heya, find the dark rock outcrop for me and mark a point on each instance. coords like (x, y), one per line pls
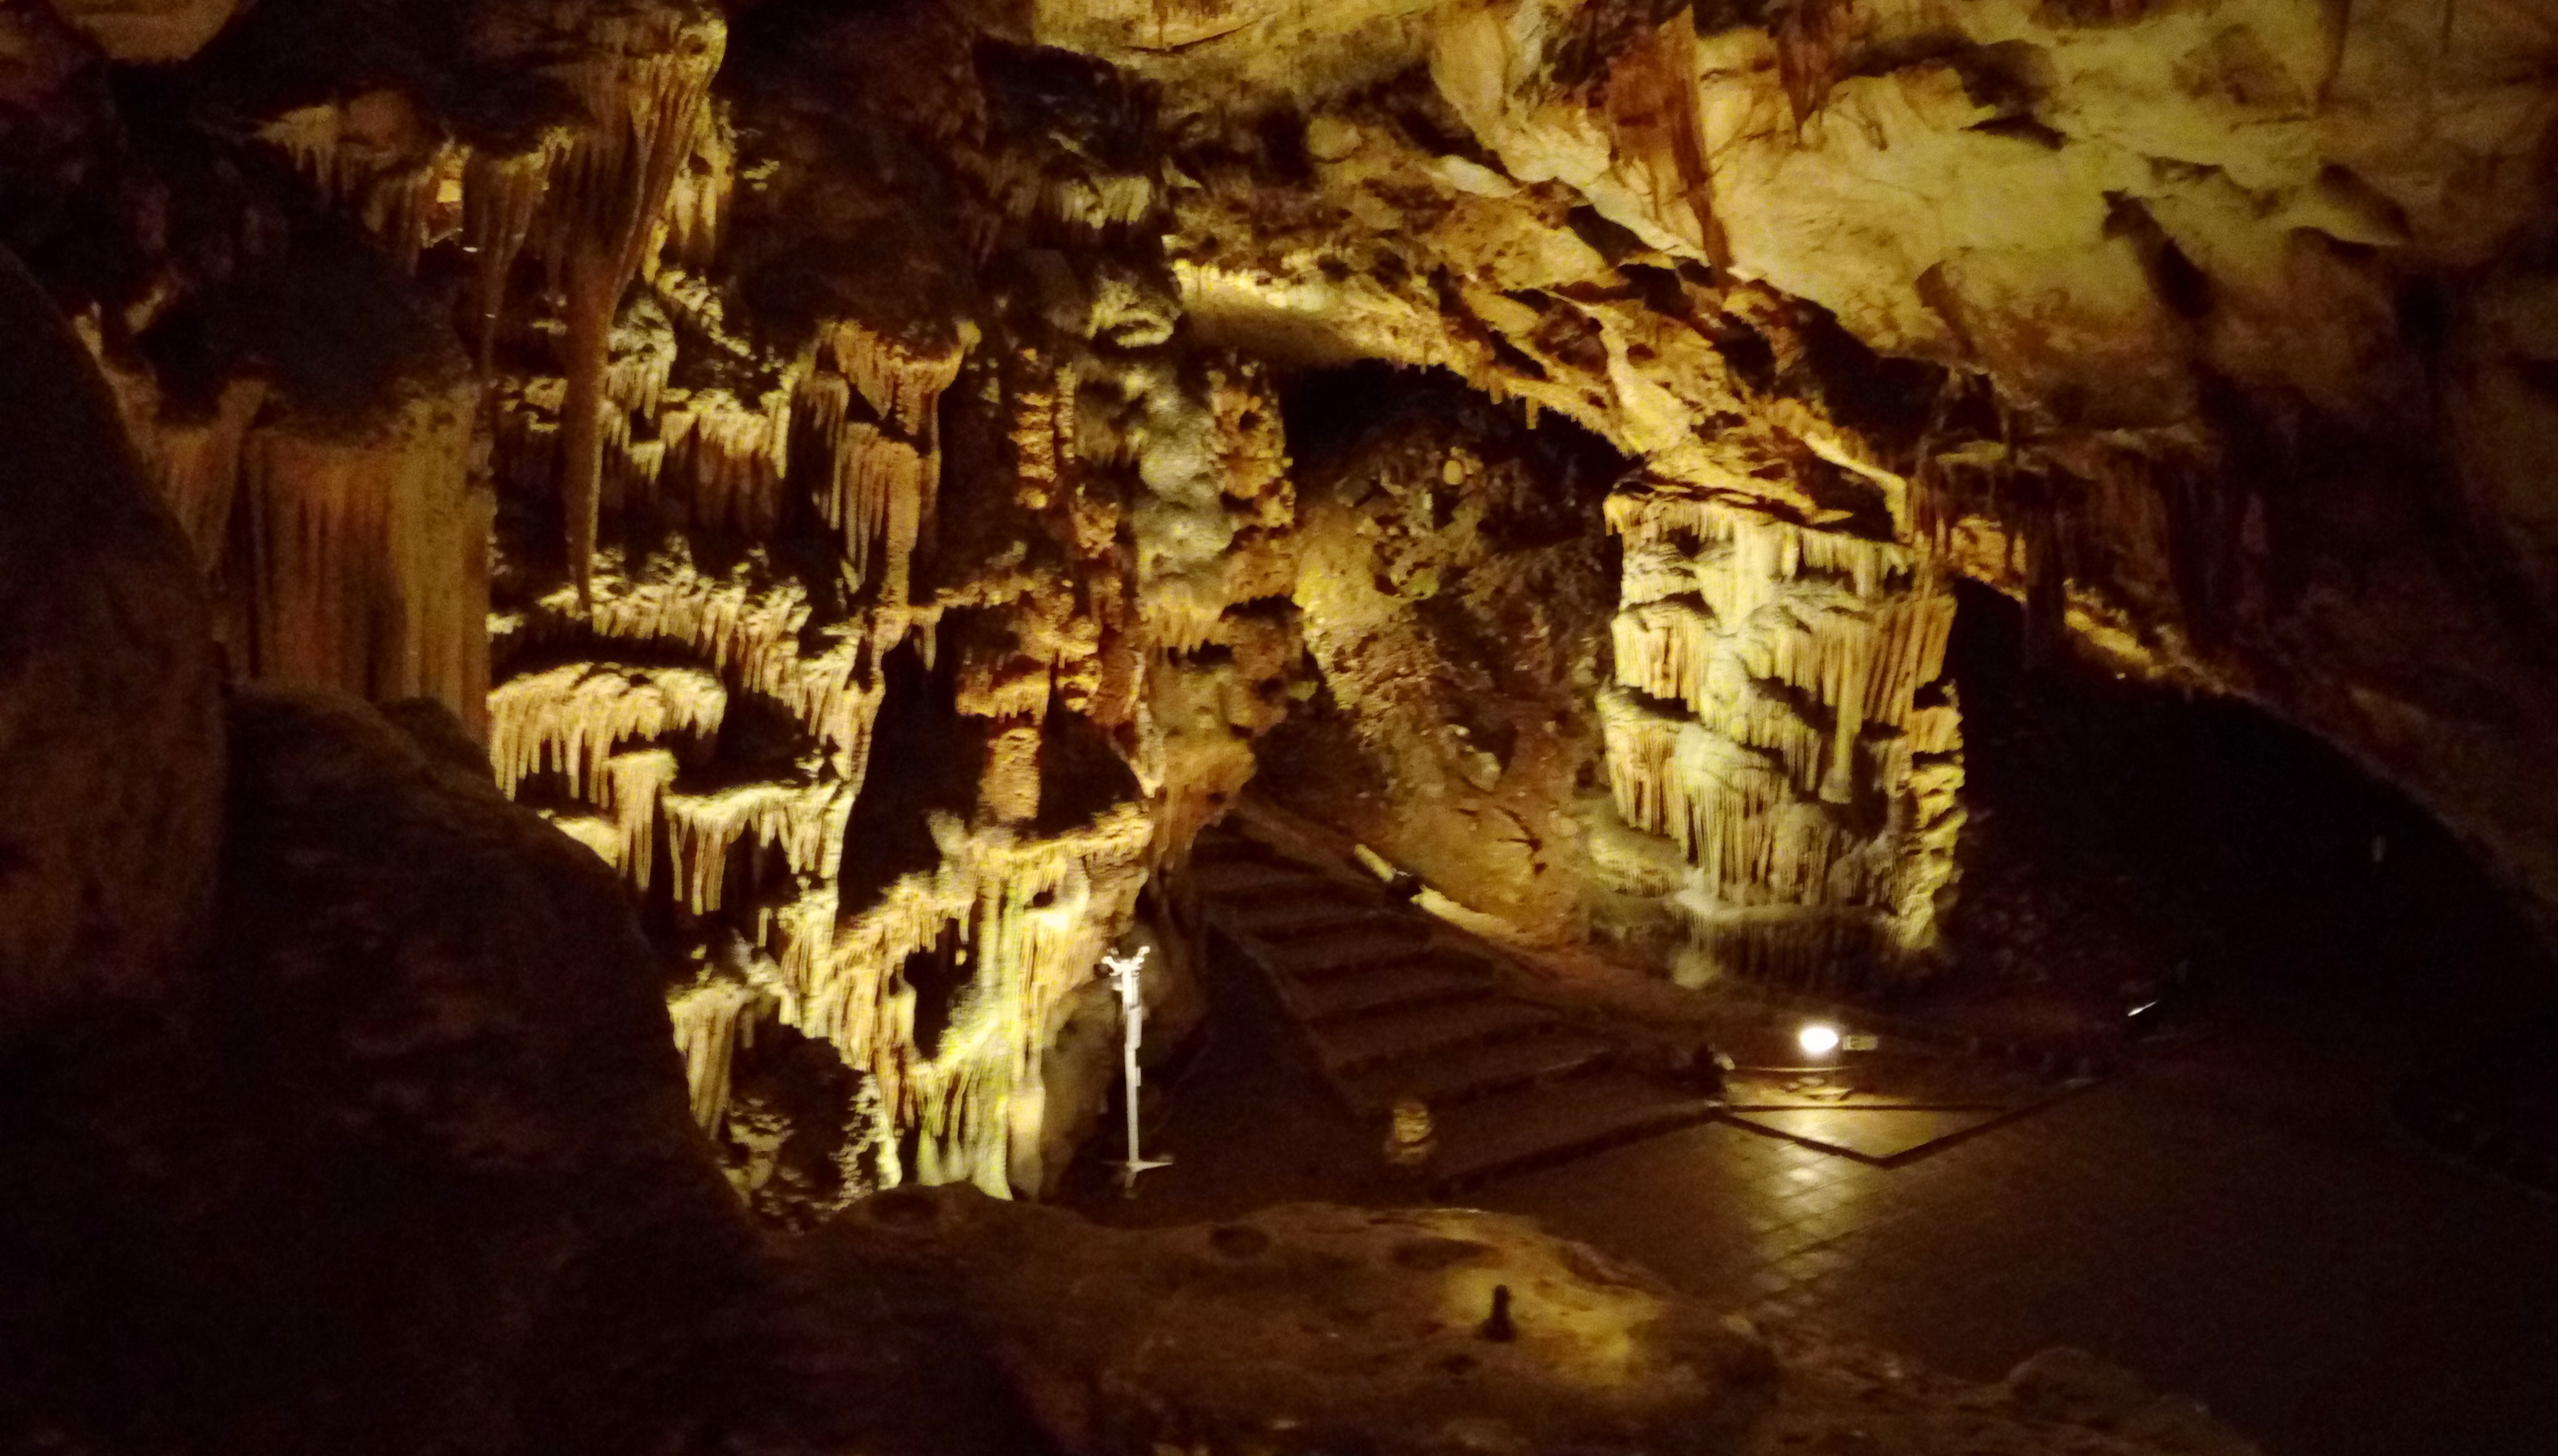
(110, 739)
(420, 1178)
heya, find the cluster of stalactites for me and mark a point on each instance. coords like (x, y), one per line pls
(856, 418)
(748, 626)
(352, 559)
(642, 170)
(873, 405)
(570, 719)
(1781, 717)
(611, 734)
(1016, 919)
(1009, 926)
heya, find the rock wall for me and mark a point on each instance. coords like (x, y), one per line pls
(1454, 584)
(111, 735)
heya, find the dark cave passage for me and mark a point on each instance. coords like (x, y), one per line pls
(2125, 839)
(2268, 922)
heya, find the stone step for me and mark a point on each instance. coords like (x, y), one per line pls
(1323, 953)
(1353, 1044)
(1533, 1127)
(1387, 988)
(1242, 879)
(1219, 846)
(1445, 1076)
(1297, 911)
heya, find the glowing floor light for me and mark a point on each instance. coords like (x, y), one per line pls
(1818, 1039)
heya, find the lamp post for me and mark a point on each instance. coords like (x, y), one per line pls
(1124, 977)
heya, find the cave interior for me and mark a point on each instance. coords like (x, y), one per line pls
(1819, 725)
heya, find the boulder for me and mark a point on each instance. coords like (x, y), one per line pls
(1318, 1328)
(420, 1175)
(110, 734)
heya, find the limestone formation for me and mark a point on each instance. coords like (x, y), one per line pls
(839, 459)
(1454, 593)
(1781, 716)
(842, 496)
(424, 1179)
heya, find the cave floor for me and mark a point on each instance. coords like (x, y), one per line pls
(2227, 1216)
(2234, 1212)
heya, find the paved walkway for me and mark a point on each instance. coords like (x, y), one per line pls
(2234, 1218)
(2330, 1299)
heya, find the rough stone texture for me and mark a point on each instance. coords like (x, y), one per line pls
(110, 741)
(1311, 1328)
(1308, 1328)
(423, 1179)
(1455, 587)
(399, 1189)
(149, 32)
(905, 374)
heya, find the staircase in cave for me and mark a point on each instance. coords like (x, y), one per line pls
(1396, 1008)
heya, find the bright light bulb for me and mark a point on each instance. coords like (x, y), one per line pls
(1817, 1040)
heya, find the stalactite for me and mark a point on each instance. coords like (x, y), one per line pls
(368, 556)
(646, 91)
(704, 829)
(730, 457)
(1032, 919)
(499, 197)
(199, 465)
(1659, 136)
(629, 787)
(1777, 675)
(572, 718)
(1813, 40)
(708, 1017)
(748, 626)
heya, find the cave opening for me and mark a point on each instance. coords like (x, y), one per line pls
(2129, 842)
(2254, 917)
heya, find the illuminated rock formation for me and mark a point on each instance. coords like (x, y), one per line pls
(1454, 590)
(698, 398)
(1782, 715)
